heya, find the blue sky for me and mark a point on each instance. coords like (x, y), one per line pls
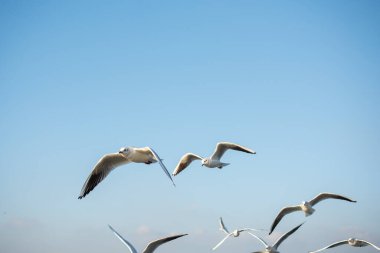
(297, 81)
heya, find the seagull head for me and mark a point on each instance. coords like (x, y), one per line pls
(124, 150)
(204, 161)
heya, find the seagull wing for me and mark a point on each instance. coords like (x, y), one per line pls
(152, 246)
(259, 238)
(283, 237)
(155, 155)
(282, 213)
(323, 196)
(222, 241)
(184, 162)
(104, 166)
(250, 229)
(365, 243)
(331, 246)
(222, 147)
(222, 226)
(128, 244)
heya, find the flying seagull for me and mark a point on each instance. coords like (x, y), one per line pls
(273, 249)
(152, 246)
(306, 207)
(214, 160)
(110, 161)
(234, 233)
(352, 241)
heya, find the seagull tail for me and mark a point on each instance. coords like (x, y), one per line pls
(223, 165)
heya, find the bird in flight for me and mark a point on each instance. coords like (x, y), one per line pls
(352, 242)
(111, 161)
(273, 249)
(234, 233)
(152, 246)
(214, 160)
(306, 207)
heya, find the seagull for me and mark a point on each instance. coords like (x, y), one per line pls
(306, 207)
(273, 249)
(152, 246)
(234, 233)
(110, 161)
(214, 160)
(352, 241)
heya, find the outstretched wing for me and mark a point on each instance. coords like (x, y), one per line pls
(365, 243)
(323, 196)
(222, 241)
(250, 229)
(128, 244)
(104, 166)
(184, 162)
(222, 226)
(154, 245)
(161, 164)
(283, 237)
(331, 246)
(260, 240)
(222, 147)
(282, 213)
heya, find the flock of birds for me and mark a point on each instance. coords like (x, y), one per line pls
(148, 156)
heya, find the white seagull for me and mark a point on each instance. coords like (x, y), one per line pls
(234, 233)
(214, 160)
(110, 161)
(273, 249)
(352, 241)
(152, 246)
(306, 207)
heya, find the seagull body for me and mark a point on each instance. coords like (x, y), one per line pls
(234, 233)
(138, 155)
(273, 249)
(214, 160)
(152, 246)
(111, 161)
(306, 207)
(352, 242)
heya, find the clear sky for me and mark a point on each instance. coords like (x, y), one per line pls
(297, 81)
